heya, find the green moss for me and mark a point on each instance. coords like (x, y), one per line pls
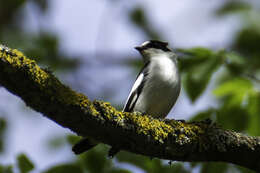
(147, 125)
(143, 123)
(48, 84)
(51, 87)
(109, 112)
(154, 127)
(17, 60)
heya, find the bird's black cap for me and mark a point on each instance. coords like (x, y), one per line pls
(153, 44)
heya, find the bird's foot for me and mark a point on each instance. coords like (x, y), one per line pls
(169, 121)
(181, 120)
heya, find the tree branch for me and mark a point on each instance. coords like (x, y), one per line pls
(173, 140)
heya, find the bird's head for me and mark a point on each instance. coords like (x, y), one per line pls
(153, 48)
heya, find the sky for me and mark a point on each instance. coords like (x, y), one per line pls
(90, 27)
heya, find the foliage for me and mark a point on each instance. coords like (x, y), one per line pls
(64, 168)
(150, 165)
(6, 169)
(42, 44)
(97, 161)
(198, 66)
(2, 133)
(233, 7)
(24, 164)
(139, 18)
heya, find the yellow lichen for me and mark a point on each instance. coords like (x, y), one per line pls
(51, 87)
(17, 60)
(153, 127)
(17, 53)
(108, 111)
(145, 125)
(46, 82)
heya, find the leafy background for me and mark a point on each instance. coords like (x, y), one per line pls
(227, 74)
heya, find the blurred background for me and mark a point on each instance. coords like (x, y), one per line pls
(89, 47)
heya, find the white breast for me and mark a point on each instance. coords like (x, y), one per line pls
(161, 88)
(164, 68)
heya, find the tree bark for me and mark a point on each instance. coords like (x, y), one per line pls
(133, 132)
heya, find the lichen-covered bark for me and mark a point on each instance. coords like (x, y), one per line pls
(173, 140)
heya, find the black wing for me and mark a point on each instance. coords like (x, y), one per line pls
(136, 89)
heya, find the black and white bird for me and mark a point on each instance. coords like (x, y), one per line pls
(157, 86)
(155, 90)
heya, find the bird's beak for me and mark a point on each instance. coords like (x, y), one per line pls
(138, 48)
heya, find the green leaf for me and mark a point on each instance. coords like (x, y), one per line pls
(73, 139)
(247, 41)
(234, 93)
(243, 169)
(119, 171)
(65, 168)
(192, 57)
(199, 71)
(6, 169)
(24, 164)
(96, 160)
(254, 113)
(235, 63)
(56, 142)
(136, 160)
(2, 132)
(233, 7)
(149, 165)
(234, 118)
(235, 90)
(7, 8)
(177, 167)
(214, 167)
(200, 53)
(203, 115)
(138, 17)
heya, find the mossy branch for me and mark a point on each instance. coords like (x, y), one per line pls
(172, 140)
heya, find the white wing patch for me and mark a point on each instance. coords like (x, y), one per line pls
(131, 99)
(145, 43)
(137, 82)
